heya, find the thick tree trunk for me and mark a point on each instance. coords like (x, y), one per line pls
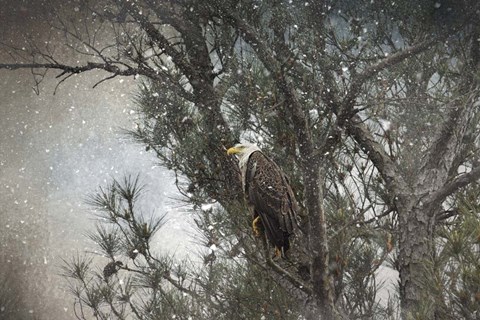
(318, 242)
(416, 225)
(218, 135)
(416, 210)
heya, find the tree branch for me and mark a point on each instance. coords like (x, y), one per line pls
(251, 36)
(443, 152)
(66, 69)
(374, 69)
(357, 129)
(457, 183)
(155, 35)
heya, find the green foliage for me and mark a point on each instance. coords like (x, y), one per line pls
(151, 284)
(297, 79)
(457, 266)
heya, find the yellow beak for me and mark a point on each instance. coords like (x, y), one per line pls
(232, 150)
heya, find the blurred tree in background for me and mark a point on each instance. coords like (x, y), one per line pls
(12, 306)
(370, 107)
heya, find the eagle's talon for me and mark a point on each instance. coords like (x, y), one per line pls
(256, 229)
(278, 253)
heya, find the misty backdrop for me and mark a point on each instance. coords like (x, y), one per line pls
(55, 149)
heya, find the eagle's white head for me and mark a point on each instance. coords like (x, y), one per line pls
(243, 151)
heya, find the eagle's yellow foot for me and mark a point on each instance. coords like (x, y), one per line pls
(256, 228)
(278, 253)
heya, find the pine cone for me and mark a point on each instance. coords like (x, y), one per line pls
(111, 268)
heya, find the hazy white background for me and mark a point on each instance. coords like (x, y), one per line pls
(54, 151)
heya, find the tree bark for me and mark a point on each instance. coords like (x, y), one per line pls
(417, 209)
(415, 250)
(317, 240)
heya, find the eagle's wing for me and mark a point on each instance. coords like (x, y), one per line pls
(269, 193)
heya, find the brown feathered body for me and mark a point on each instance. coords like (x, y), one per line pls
(269, 195)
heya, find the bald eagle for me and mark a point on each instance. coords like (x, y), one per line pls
(269, 196)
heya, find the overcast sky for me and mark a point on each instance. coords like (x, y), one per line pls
(54, 150)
